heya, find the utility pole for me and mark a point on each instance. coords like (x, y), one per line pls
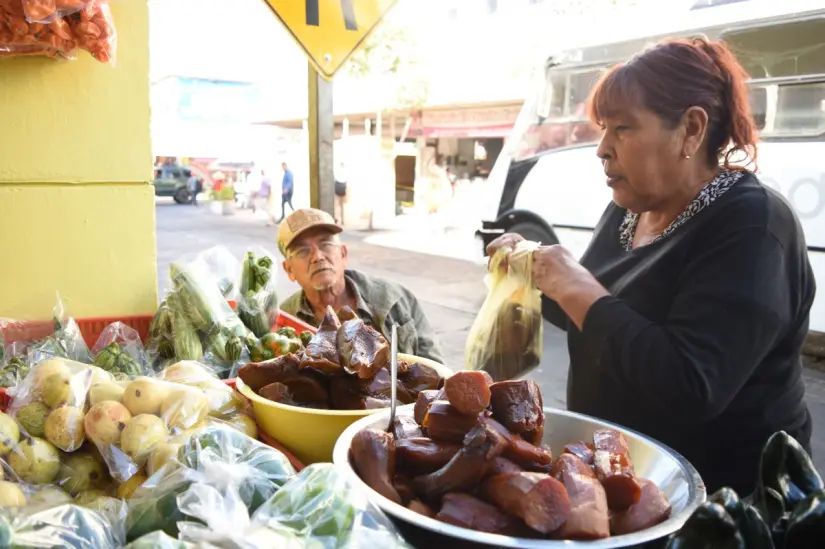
(321, 139)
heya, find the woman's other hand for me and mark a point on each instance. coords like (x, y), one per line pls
(559, 276)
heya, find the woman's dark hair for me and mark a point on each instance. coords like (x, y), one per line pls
(677, 74)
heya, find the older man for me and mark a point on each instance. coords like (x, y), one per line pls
(317, 260)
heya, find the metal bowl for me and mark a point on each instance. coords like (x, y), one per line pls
(672, 473)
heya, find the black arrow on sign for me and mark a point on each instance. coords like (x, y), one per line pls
(314, 16)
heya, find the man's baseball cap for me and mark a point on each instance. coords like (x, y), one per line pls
(301, 221)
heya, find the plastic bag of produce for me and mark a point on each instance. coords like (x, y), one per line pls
(132, 423)
(217, 456)
(14, 363)
(322, 508)
(119, 351)
(46, 27)
(159, 540)
(66, 526)
(65, 342)
(506, 337)
(257, 296)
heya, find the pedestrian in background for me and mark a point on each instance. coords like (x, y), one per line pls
(194, 187)
(287, 188)
(264, 197)
(340, 192)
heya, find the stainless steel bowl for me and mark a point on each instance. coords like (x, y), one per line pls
(654, 461)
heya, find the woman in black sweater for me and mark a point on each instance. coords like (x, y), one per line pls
(687, 313)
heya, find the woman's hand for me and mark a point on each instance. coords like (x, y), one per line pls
(507, 240)
(559, 276)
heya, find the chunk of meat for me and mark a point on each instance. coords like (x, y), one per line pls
(611, 462)
(503, 466)
(522, 453)
(363, 350)
(419, 377)
(589, 517)
(468, 391)
(345, 393)
(380, 386)
(405, 427)
(371, 403)
(297, 391)
(373, 457)
(322, 352)
(651, 509)
(421, 455)
(467, 511)
(403, 485)
(346, 313)
(582, 450)
(466, 469)
(257, 375)
(278, 392)
(421, 508)
(518, 406)
(422, 404)
(444, 423)
(538, 499)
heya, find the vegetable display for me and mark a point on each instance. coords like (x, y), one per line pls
(344, 366)
(257, 301)
(474, 459)
(787, 510)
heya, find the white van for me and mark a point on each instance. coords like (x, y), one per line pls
(548, 185)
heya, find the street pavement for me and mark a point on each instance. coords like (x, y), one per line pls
(444, 271)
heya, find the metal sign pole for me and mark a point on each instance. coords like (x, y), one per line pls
(321, 139)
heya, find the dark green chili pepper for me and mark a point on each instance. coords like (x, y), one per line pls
(752, 527)
(788, 469)
(806, 524)
(709, 527)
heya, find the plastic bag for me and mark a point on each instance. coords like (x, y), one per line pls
(159, 540)
(14, 364)
(66, 526)
(217, 456)
(37, 27)
(119, 351)
(506, 337)
(257, 296)
(322, 507)
(66, 341)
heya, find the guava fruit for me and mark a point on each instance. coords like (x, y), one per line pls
(244, 424)
(160, 456)
(47, 368)
(11, 495)
(80, 472)
(125, 490)
(144, 396)
(49, 497)
(183, 407)
(187, 372)
(106, 390)
(56, 389)
(105, 422)
(9, 434)
(87, 496)
(32, 418)
(64, 428)
(35, 461)
(141, 433)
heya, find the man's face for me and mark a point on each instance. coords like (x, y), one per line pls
(316, 260)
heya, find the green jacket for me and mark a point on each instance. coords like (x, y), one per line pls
(381, 304)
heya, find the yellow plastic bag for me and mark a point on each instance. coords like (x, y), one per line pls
(506, 338)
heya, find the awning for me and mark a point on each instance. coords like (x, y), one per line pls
(472, 132)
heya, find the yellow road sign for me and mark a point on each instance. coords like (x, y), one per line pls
(329, 31)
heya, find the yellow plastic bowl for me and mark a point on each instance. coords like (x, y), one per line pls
(309, 433)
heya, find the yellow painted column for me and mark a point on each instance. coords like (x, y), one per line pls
(77, 210)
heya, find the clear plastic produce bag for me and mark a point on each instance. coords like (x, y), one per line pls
(119, 351)
(506, 337)
(159, 540)
(65, 342)
(66, 526)
(257, 295)
(217, 456)
(325, 511)
(14, 363)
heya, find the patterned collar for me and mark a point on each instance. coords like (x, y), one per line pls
(707, 196)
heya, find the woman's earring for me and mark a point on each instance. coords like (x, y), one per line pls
(687, 157)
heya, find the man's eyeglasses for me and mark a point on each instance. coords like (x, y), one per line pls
(305, 251)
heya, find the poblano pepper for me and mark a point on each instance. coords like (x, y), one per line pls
(709, 527)
(806, 524)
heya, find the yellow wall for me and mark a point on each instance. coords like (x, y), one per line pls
(76, 201)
